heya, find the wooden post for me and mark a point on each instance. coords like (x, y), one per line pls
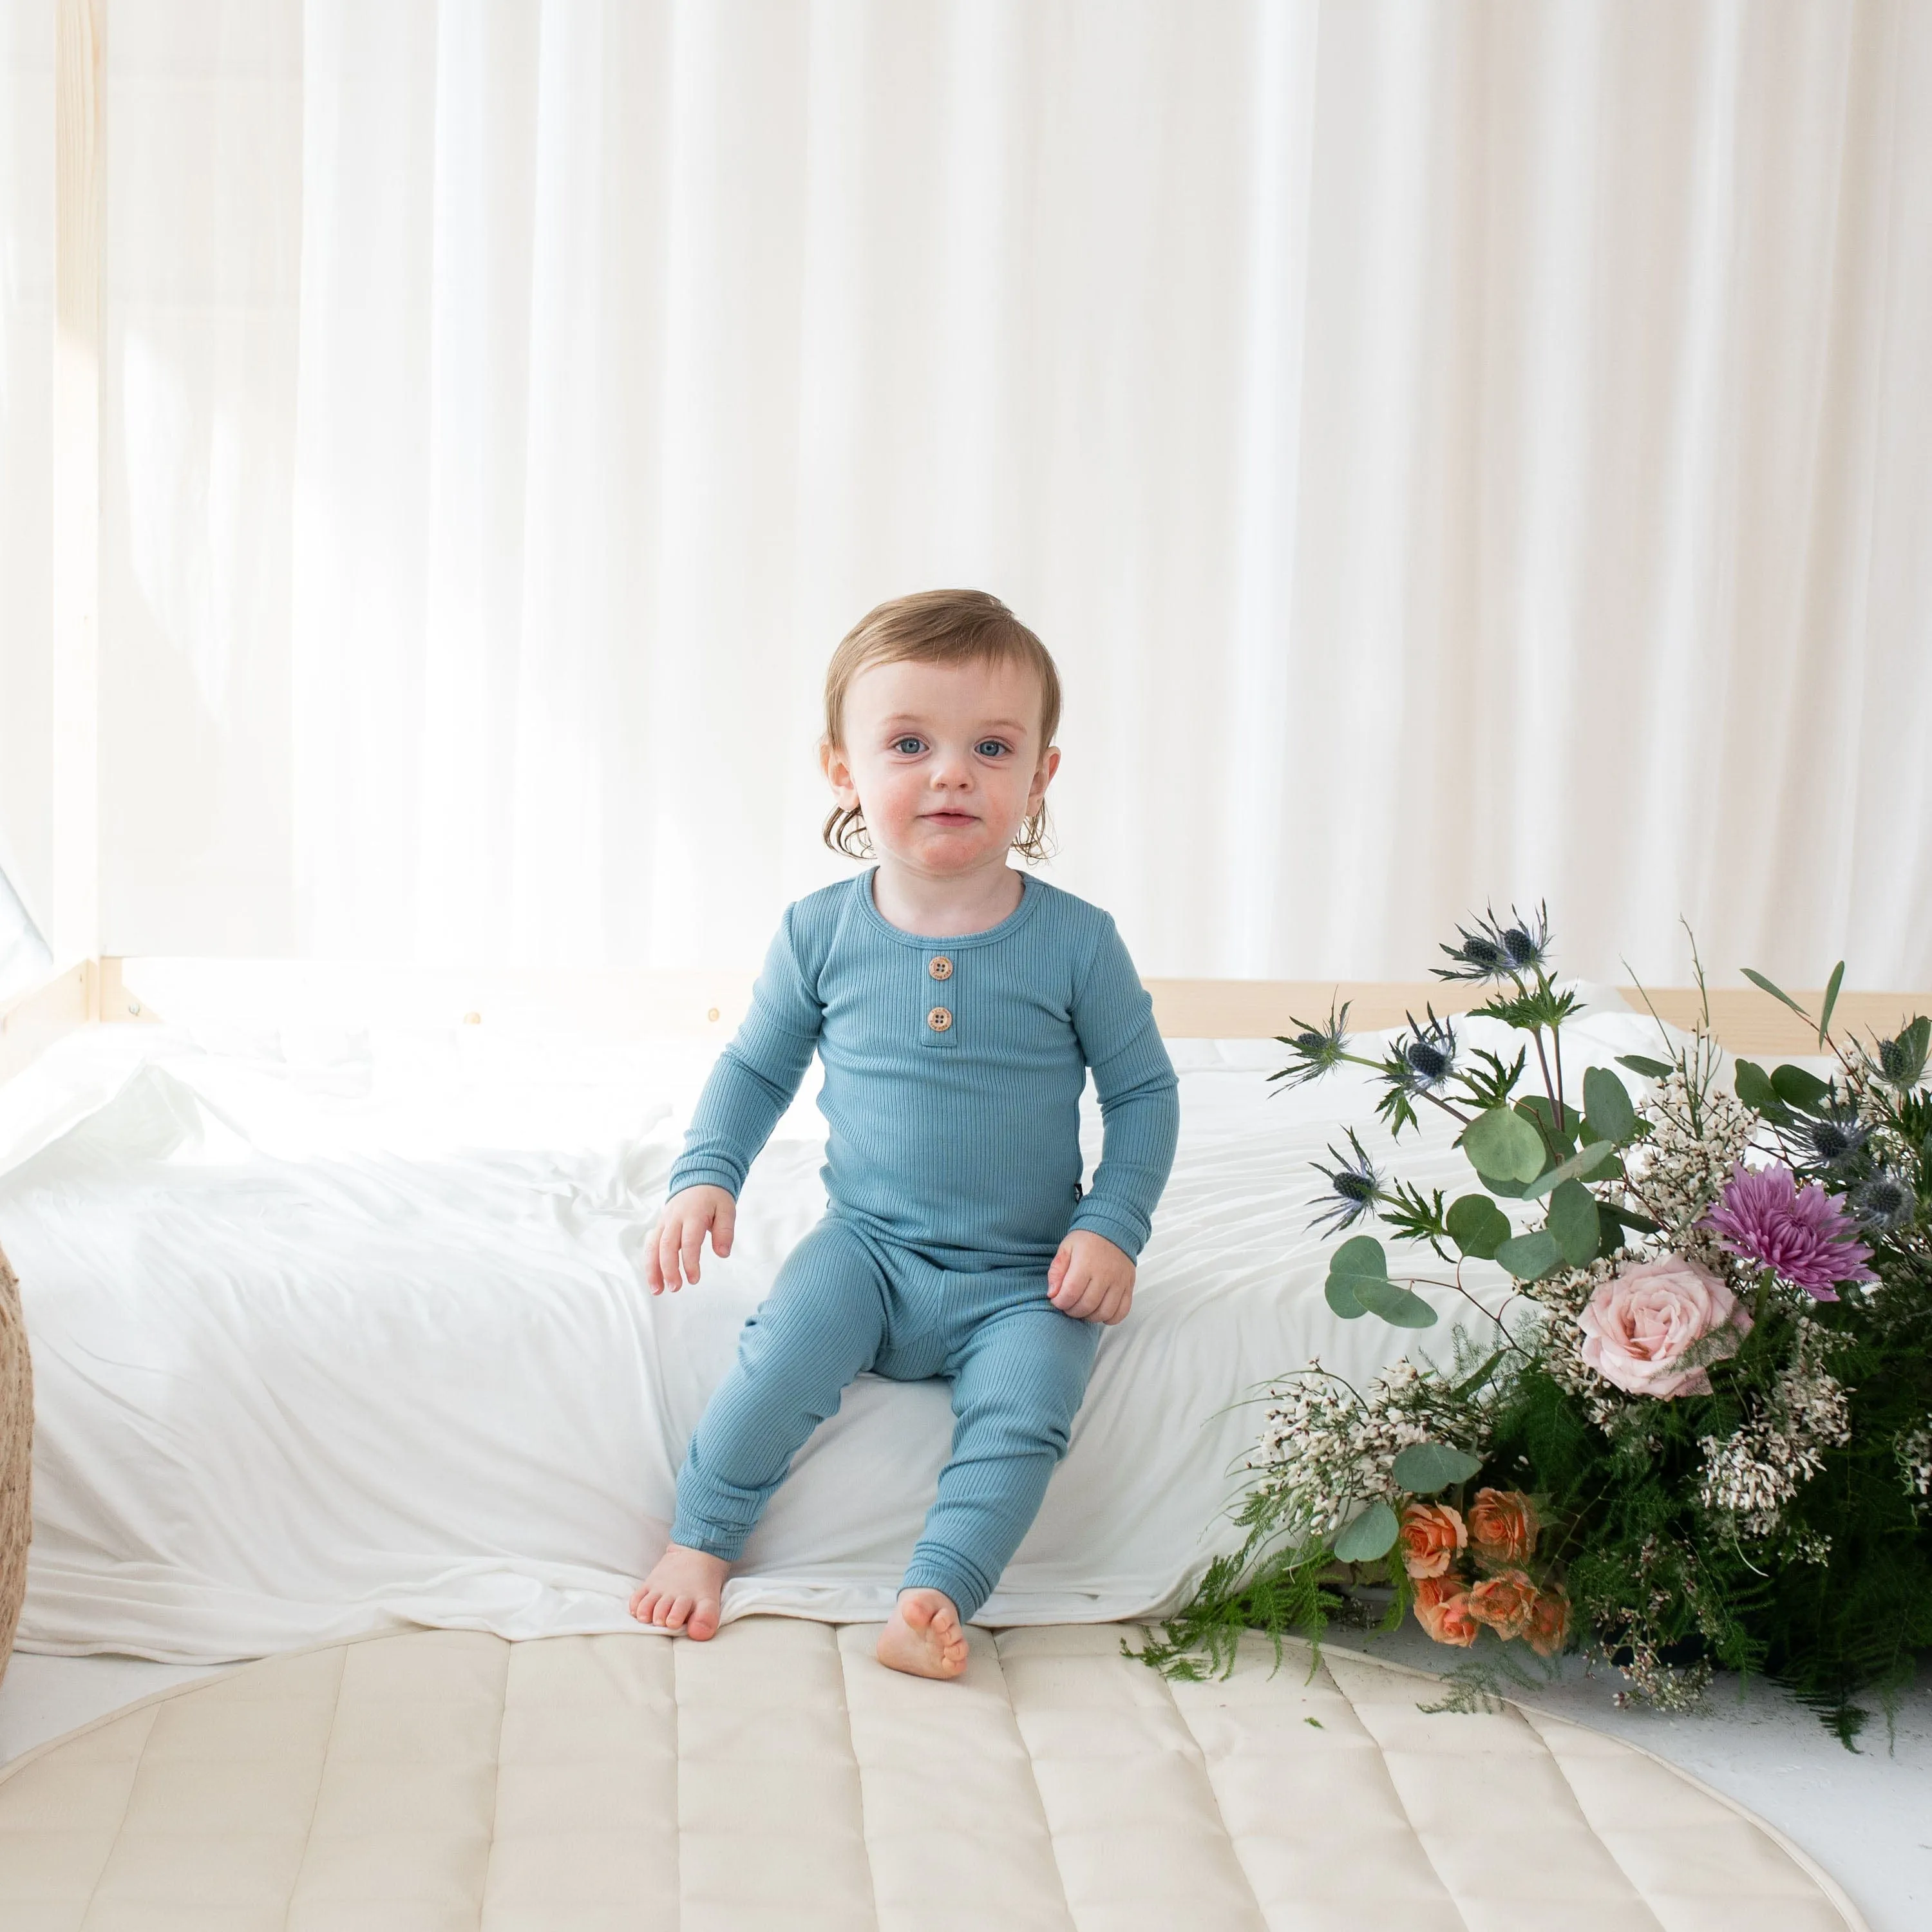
(78, 71)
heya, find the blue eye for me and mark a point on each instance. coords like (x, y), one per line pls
(991, 747)
(911, 747)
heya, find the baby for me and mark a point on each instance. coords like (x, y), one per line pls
(956, 1003)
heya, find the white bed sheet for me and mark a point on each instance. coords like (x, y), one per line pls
(335, 1332)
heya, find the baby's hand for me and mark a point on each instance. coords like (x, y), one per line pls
(1090, 1279)
(681, 1229)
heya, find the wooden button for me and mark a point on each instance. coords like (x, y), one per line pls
(939, 1019)
(941, 968)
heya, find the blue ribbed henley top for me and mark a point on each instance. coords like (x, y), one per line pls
(953, 1072)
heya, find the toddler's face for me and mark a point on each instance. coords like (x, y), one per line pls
(945, 760)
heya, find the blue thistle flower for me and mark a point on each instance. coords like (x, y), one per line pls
(1418, 1062)
(1494, 951)
(1901, 1061)
(1317, 1050)
(1426, 1053)
(1835, 1138)
(1353, 1188)
(1478, 958)
(1884, 1204)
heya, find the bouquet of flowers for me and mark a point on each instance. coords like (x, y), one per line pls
(1699, 1434)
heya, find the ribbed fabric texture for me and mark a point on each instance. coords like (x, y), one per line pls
(844, 1302)
(953, 1072)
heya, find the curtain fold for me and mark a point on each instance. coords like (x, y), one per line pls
(26, 463)
(1469, 452)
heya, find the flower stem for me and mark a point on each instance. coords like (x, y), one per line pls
(1554, 1092)
(1509, 1340)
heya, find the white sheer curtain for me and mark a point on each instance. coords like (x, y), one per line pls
(26, 459)
(1456, 451)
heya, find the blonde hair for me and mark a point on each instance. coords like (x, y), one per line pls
(938, 627)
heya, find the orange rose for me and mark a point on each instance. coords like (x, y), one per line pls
(1506, 1602)
(1548, 1623)
(1442, 1609)
(1502, 1528)
(1432, 1534)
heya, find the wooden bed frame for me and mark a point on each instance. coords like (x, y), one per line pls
(708, 1005)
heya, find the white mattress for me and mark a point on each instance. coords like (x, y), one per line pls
(334, 1334)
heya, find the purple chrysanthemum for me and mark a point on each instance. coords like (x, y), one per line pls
(1801, 1233)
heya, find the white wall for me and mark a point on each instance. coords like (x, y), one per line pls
(1455, 452)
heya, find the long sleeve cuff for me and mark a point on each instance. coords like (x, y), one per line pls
(703, 1173)
(1128, 1231)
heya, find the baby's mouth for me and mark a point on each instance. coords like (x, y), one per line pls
(950, 817)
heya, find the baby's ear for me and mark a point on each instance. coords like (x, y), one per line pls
(838, 773)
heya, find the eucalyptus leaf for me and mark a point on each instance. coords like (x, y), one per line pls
(1393, 1303)
(1607, 1111)
(1754, 1088)
(1480, 1373)
(1477, 1226)
(1764, 985)
(1500, 1141)
(1573, 1223)
(1581, 1162)
(1609, 1232)
(1797, 1088)
(1341, 1297)
(1837, 979)
(1530, 1257)
(1372, 1534)
(1610, 1167)
(1504, 1190)
(1650, 1069)
(1642, 1223)
(1536, 1108)
(1423, 1469)
(1362, 1255)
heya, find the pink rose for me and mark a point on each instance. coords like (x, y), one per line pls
(1639, 1323)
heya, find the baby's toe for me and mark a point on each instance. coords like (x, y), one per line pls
(704, 1622)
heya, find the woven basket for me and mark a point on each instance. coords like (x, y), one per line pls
(16, 1452)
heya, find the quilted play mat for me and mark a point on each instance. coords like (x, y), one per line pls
(778, 1777)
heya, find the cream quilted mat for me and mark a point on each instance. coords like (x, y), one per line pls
(778, 1777)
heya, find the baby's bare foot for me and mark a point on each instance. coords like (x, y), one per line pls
(925, 1637)
(681, 1592)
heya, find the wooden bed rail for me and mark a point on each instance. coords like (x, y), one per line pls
(65, 1000)
(1743, 1019)
(709, 1005)
(259, 994)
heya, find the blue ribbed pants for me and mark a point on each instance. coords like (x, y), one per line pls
(845, 1302)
